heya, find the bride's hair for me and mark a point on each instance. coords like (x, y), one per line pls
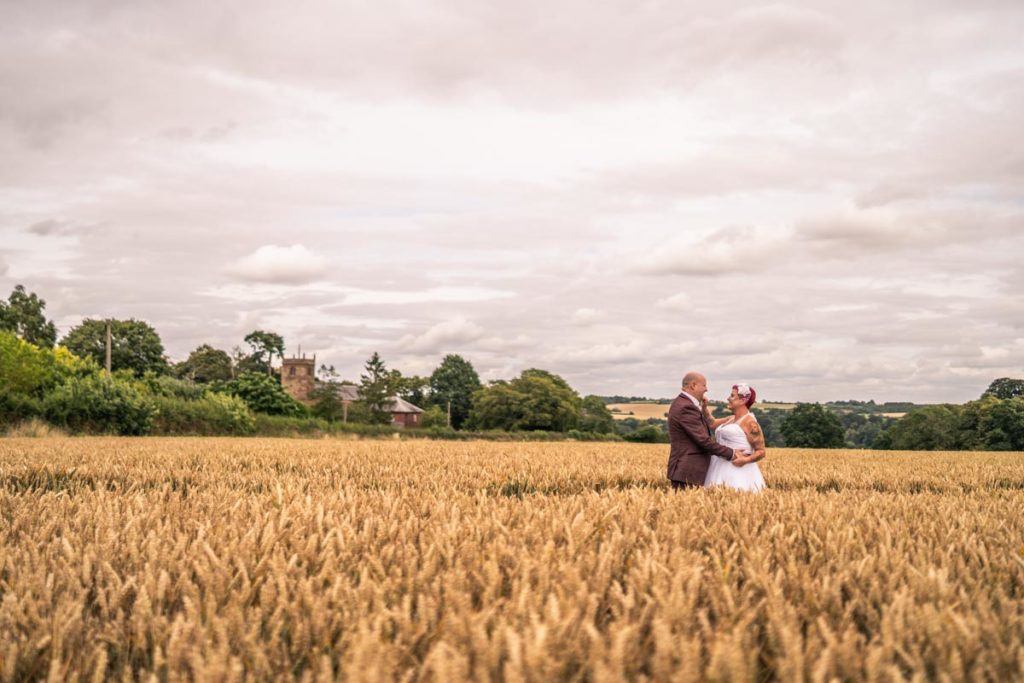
(746, 392)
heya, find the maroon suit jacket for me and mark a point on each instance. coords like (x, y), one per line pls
(692, 445)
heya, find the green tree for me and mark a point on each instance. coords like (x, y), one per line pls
(454, 381)
(413, 388)
(595, 416)
(536, 400)
(1005, 387)
(262, 394)
(932, 428)
(810, 425)
(1005, 426)
(375, 390)
(135, 345)
(205, 364)
(497, 406)
(22, 314)
(264, 345)
(327, 403)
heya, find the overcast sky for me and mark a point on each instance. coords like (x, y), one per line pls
(825, 200)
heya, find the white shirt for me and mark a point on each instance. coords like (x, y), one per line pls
(695, 401)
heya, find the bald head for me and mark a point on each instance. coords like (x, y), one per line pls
(695, 384)
(692, 377)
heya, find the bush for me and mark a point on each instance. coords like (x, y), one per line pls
(647, 434)
(286, 425)
(209, 415)
(165, 385)
(99, 405)
(434, 416)
(263, 394)
(15, 408)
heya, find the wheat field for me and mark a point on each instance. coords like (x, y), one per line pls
(261, 559)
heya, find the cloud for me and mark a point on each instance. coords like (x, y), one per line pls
(294, 265)
(588, 316)
(677, 302)
(58, 228)
(443, 337)
(822, 202)
(3, 267)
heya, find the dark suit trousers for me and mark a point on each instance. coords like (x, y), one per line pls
(680, 485)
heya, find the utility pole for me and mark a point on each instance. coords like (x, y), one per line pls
(108, 349)
(449, 414)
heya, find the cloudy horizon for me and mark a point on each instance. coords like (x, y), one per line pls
(822, 199)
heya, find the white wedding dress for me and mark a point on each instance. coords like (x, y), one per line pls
(721, 472)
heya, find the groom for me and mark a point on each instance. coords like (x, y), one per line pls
(690, 436)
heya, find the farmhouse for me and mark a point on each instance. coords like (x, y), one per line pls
(298, 377)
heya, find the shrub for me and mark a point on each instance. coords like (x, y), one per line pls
(263, 394)
(165, 385)
(15, 408)
(99, 405)
(211, 414)
(434, 416)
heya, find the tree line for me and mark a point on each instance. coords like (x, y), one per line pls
(239, 392)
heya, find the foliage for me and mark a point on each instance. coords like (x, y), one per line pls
(265, 345)
(932, 428)
(595, 416)
(1004, 426)
(22, 314)
(1006, 387)
(17, 407)
(96, 404)
(210, 414)
(454, 381)
(262, 394)
(205, 364)
(647, 434)
(135, 345)
(414, 389)
(375, 390)
(536, 400)
(810, 425)
(861, 430)
(165, 385)
(28, 369)
(434, 417)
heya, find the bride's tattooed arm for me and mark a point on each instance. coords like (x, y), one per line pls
(756, 438)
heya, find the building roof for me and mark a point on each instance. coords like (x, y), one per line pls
(400, 405)
(350, 392)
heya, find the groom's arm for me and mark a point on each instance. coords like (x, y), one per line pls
(689, 421)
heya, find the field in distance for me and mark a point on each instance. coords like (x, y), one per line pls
(266, 559)
(645, 411)
(640, 411)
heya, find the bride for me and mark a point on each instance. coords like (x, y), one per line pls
(740, 431)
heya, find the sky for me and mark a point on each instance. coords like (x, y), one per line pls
(822, 199)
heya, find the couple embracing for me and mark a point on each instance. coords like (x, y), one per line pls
(730, 457)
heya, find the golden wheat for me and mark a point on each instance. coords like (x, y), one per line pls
(246, 559)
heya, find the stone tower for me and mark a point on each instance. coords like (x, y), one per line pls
(298, 377)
